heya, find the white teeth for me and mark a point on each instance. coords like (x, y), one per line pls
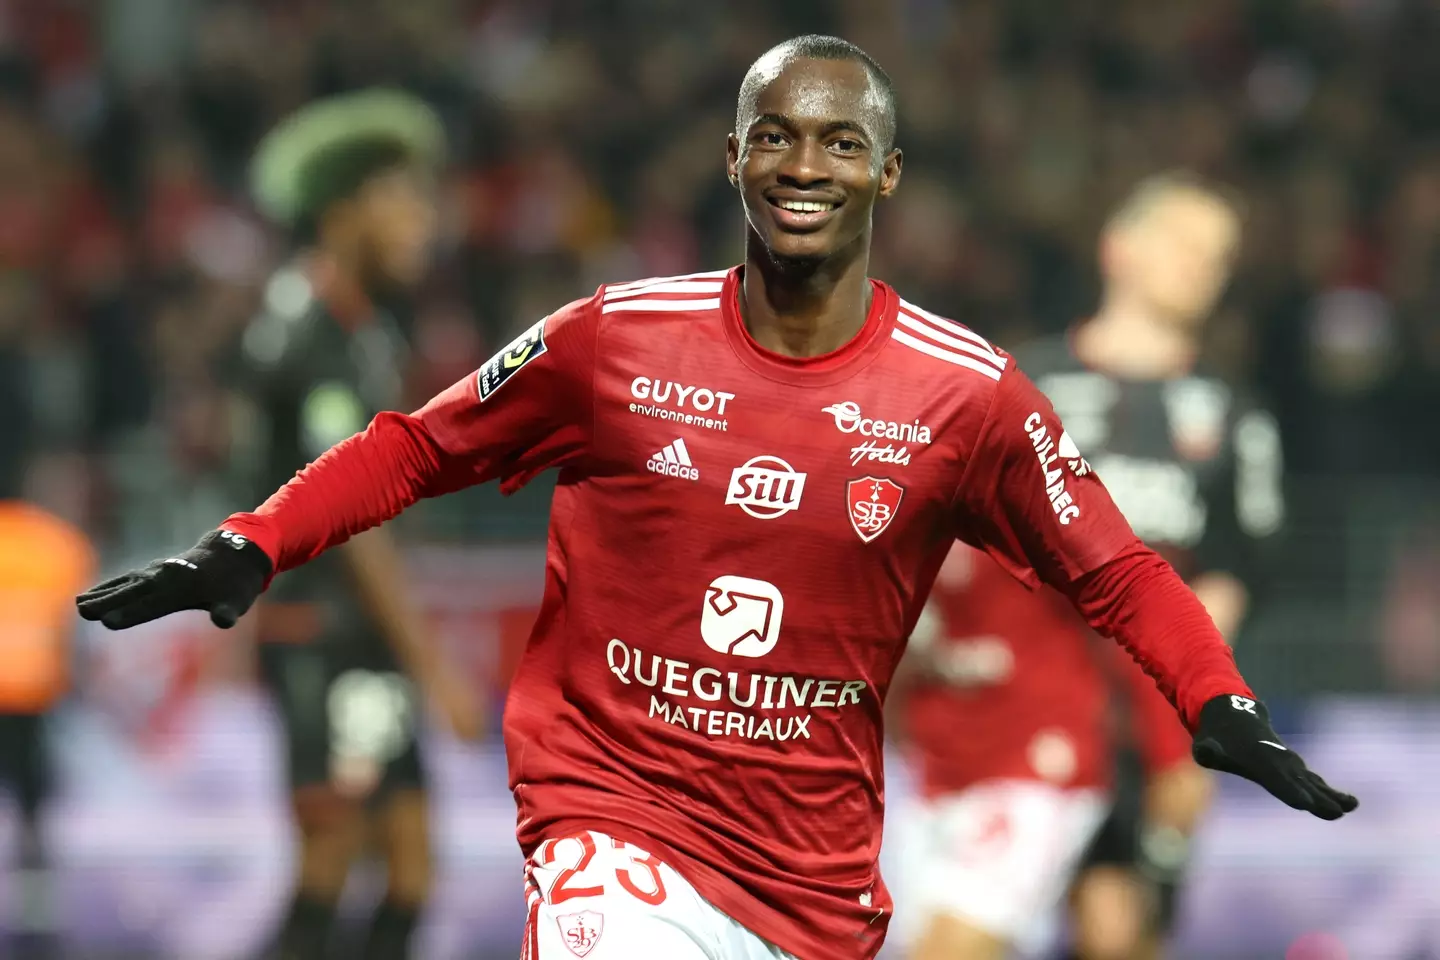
(806, 206)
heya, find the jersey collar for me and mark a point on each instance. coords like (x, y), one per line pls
(827, 368)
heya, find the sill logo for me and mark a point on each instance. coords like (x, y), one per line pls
(765, 487)
(741, 616)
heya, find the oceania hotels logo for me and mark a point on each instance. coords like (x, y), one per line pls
(850, 419)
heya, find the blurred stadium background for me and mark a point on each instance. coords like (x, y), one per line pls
(588, 143)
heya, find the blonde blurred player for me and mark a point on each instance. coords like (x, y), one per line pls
(1012, 808)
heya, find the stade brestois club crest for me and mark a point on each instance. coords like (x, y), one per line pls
(581, 930)
(873, 502)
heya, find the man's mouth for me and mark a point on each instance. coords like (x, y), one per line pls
(802, 214)
(805, 206)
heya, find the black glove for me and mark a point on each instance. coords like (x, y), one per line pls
(1234, 736)
(222, 574)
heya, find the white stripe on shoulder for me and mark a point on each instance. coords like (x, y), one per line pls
(662, 306)
(965, 346)
(670, 286)
(960, 359)
(951, 327)
(649, 281)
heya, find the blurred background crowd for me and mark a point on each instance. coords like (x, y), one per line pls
(587, 141)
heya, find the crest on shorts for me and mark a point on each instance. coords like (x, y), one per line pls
(581, 931)
(873, 502)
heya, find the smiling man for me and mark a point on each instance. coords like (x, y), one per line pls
(694, 732)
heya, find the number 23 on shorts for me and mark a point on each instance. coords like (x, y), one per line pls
(570, 884)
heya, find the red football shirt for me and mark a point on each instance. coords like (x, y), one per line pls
(1021, 678)
(1029, 681)
(739, 544)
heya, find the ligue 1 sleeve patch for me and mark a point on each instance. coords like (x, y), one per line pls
(507, 362)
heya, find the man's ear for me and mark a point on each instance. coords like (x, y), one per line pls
(732, 159)
(890, 172)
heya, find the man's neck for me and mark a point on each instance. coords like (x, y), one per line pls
(799, 310)
(1126, 340)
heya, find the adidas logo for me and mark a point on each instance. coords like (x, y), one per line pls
(673, 461)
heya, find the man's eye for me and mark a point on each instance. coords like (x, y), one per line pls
(847, 145)
(772, 139)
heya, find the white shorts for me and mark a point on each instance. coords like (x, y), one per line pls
(592, 896)
(998, 855)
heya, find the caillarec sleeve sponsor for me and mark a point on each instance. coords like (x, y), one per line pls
(1049, 450)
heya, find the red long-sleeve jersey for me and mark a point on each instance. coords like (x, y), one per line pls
(740, 543)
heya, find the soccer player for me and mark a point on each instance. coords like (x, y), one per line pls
(986, 849)
(342, 649)
(761, 469)
(1195, 470)
(1195, 467)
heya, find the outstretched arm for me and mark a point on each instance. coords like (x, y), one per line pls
(1030, 500)
(357, 484)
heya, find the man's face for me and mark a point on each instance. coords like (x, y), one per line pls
(400, 221)
(1178, 255)
(808, 159)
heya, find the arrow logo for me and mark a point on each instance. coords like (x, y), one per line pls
(741, 616)
(758, 609)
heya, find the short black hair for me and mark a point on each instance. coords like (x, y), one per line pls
(816, 46)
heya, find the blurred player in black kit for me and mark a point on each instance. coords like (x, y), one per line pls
(1012, 814)
(1196, 470)
(342, 649)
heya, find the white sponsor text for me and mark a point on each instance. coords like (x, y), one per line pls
(721, 692)
(1047, 453)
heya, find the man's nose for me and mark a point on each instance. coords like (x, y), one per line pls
(805, 164)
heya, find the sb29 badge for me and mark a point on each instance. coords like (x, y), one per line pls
(508, 362)
(873, 502)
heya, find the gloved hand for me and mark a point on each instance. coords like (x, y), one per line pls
(1234, 736)
(222, 574)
